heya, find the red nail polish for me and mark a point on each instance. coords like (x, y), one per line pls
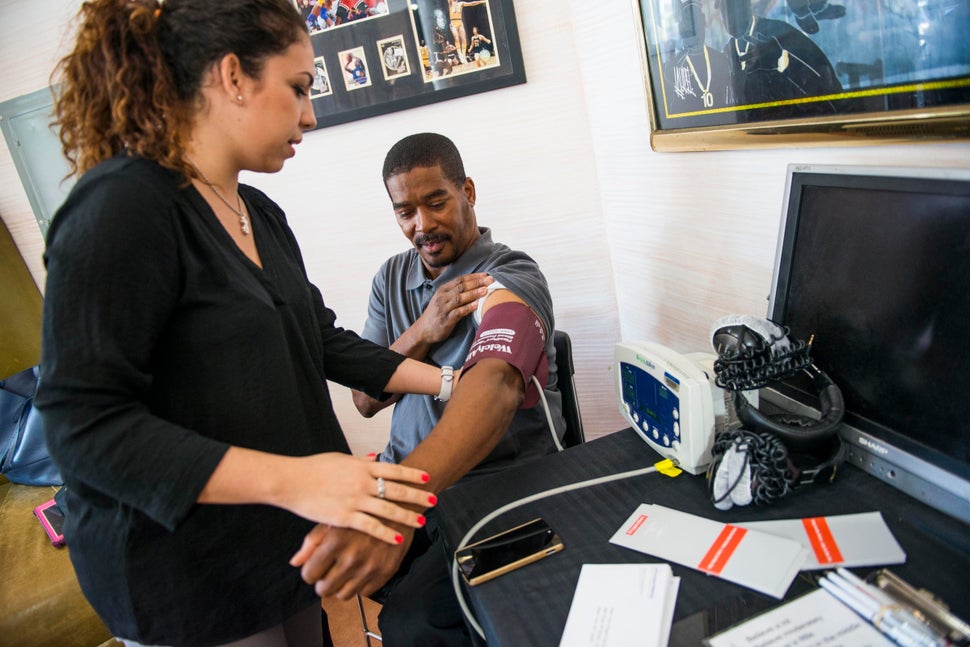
(432, 499)
(425, 477)
(421, 520)
(372, 455)
(398, 539)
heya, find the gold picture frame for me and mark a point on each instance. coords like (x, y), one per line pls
(735, 74)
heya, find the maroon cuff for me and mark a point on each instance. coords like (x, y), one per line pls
(513, 333)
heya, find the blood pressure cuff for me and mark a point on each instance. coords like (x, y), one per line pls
(513, 333)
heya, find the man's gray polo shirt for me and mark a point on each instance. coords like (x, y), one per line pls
(400, 293)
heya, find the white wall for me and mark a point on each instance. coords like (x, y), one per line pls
(636, 244)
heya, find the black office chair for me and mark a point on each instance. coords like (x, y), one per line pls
(567, 386)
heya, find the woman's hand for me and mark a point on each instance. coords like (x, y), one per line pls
(334, 489)
(349, 492)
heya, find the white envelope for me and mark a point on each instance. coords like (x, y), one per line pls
(861, 539)
(751, 558)
(616, 605)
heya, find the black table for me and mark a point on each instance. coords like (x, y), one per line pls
(528, 607)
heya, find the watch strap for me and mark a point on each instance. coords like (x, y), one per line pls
(447, 380)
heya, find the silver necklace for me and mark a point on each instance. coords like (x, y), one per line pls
(238, 209)
(747, 42)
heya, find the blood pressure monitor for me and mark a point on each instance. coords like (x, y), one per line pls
(671, 400)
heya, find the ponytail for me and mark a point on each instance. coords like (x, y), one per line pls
(133, 80)
(116, 91)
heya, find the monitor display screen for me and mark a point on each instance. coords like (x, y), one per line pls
(873, 265)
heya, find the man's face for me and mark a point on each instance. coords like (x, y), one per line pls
(434, 214)
(737, 16)
(691, 21)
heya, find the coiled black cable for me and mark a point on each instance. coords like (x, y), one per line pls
(744, 368)
(772, 473)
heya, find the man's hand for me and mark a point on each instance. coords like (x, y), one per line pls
(341, 562)
(451, 303)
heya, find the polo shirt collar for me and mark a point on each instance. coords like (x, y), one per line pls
(466, 263)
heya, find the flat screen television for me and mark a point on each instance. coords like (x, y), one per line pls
(873, 264)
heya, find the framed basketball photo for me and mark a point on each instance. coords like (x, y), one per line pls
(723, 74)
(402, 54)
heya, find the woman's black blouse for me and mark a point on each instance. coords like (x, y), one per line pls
(163, 345)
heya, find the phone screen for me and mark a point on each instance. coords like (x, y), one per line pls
(506, 551)
(52, 519)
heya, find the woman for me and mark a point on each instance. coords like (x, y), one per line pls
(185, 353)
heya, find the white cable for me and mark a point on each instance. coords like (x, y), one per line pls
(456, 583)
(545, 407)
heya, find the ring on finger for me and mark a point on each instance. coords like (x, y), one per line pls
(381, 488)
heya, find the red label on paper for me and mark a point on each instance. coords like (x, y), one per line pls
(822, 541)
(721, 550)
(636, 524)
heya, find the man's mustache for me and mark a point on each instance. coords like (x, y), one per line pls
(425, 239)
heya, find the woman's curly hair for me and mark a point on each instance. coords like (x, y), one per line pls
(133, 81)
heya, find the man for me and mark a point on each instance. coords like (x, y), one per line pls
(698, 76)
(773, 61)
(423, 304)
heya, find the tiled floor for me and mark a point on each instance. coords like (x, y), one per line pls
(345, 627)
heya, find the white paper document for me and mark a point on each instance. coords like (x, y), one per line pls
(754, 559)
(616, 605)
(842, 540)
(814, 620)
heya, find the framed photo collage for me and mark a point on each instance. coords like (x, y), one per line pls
(378, 56)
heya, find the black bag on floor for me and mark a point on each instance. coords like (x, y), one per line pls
(24, 457)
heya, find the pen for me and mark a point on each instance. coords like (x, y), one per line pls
(873, 591)
(892, 610)
(880, 610)
(865, 607)
(842, 596)
(870, 590)
(910, 628)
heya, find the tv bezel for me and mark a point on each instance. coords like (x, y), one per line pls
(916, 469)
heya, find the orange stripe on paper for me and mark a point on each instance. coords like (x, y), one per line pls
(823, 543)
(722, 549)
(636, 524)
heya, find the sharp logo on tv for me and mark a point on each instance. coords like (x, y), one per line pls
(876, 447)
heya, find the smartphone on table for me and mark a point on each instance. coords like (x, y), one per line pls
(506, 551)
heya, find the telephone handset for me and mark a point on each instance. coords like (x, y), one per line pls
(671, 400)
